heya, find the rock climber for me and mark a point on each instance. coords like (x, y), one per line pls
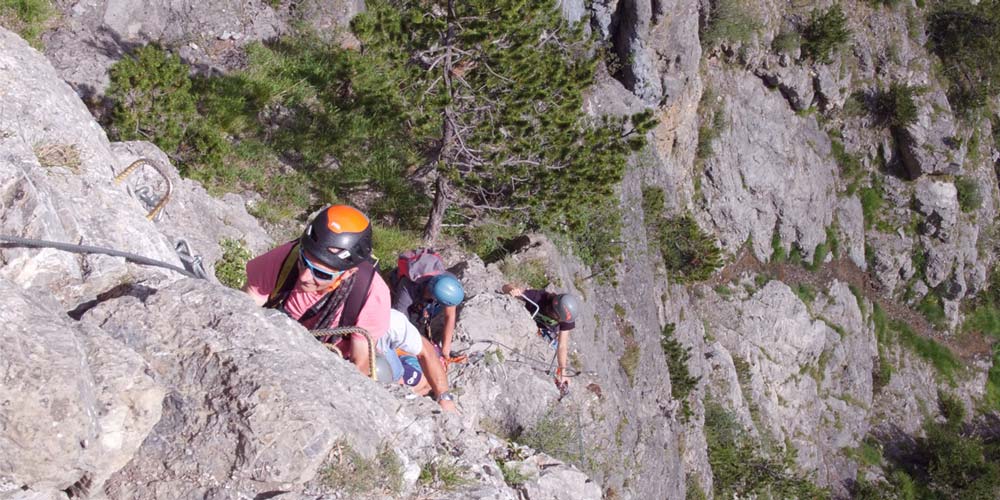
(326, 279)
(424, 290)
(555, 314)
(403, 347)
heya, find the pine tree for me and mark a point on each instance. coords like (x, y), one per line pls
(494, 94)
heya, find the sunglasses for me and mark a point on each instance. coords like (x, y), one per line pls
(317, 273)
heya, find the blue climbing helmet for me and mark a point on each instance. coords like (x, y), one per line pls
(446, 289)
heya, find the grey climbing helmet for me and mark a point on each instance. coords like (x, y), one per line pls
(567, 307)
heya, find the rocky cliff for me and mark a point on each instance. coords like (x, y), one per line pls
(851, 259)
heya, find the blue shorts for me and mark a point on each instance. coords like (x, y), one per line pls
(406, 367)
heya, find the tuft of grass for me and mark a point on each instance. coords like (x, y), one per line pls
(826, 32)
(777, 250)
(728, 21)
(786, 42)
(354, 474)
(851, 169)
(872, 200)
(932, 307)
(59, 155)
(388, 242)
(231, 269)
(554, 434)
(939, 356)
(444, 474)
(512, 475)
(529, 272)
(27, 18)
(805, 293)
(629, 361)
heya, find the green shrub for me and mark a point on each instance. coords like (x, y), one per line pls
(555, 434)
(872, 199)
(966, 37)
(895, 106)
(992, 396)
(681, 381)
(825, 33)
(512, 475)
(151, 92)
(689, 254)
(957, 465)
(352, 473)
(28, 18)
(969, 197)
(231, 269)
(786, 42)
(388, 242)
(728, 21)
(741, 469)
(932, 308)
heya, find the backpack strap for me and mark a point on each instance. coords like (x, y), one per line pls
(358, 296)
(286, 280)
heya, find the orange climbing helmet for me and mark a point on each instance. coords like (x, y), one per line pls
(340, 237)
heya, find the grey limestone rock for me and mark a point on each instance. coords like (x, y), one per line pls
(208, 35)
(56, 183)
(832, 85)
(49, 398)
(930, 145)
(809, 370)
(938, 201)
(758, 181)
(851, 220)
(191, 214)
(254, 402)
(892, 264)
(794, 82)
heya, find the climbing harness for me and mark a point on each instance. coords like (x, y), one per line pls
(326, 336)
(145, 192)
(87, 249)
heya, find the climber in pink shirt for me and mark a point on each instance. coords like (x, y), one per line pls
(326, 279)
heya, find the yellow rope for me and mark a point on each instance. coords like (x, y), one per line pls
(343, 332)
(135, 166)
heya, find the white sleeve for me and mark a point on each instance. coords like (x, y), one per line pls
(402, 334)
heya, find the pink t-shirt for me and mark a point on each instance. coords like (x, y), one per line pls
(262, 273)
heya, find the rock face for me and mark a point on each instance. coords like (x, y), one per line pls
(797, 382)
(56, 180)
(930, 145)
(207, 35)
(758, 182)
(77, 404)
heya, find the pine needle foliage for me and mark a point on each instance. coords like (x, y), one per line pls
(689, 254)
(523, 148)
(152, 98)
(742, 469)
(966, 37)
(826, 32)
